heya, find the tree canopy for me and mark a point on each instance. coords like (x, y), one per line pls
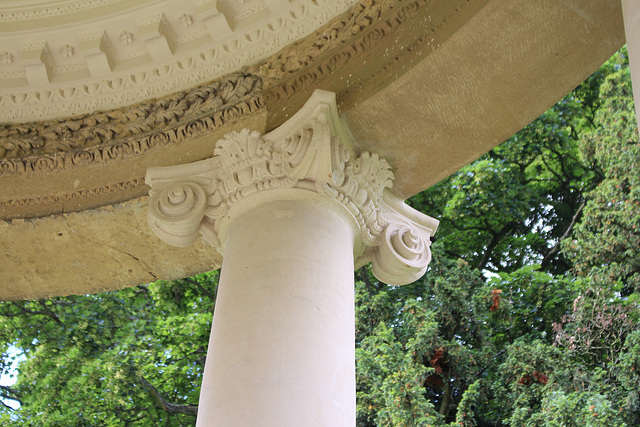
(528, 316)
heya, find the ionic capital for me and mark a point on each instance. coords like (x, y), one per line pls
(310, 156)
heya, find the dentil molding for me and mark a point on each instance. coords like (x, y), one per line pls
(63, 58)
(309, 156)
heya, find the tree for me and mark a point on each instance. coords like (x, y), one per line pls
(605, 244)
(133, 357)
(552, 337)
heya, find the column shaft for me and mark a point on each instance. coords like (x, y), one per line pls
(281, 351)
(631, 13)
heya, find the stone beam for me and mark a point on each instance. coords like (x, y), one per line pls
(292, 213)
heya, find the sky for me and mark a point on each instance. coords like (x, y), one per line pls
(9, 376)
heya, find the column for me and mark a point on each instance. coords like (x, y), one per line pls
(292, 212)
(631, 14)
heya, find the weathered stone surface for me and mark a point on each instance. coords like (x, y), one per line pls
(501, 68)
(85, 252)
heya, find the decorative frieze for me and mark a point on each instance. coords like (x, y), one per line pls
(308, 157)
(99, 137)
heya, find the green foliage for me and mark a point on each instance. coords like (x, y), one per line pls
(627, 371)
(390, 384)
(471, 398)
(532, 283)
(605, 244)
(560, 409)
(523, 379)
(527, 303)
(110, 359)
(423, 351)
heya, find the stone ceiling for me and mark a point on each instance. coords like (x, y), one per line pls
(93, 92)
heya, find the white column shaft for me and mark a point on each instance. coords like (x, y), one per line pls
(281, 351)
(631, 12)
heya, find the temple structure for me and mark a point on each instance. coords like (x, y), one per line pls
(286, 133)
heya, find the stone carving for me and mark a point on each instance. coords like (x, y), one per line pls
(6, 58)
(299, 66)
(38, 148)
(126, 37)
(178, 209)
(404, 253)
(310, 155)
(66, 51)
(185, 20)
(32, 11)
(235, 10)
(52, 199)
(100, 137)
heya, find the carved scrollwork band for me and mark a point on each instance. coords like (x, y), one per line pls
(36, 149)
(308, 153)
(32, 145)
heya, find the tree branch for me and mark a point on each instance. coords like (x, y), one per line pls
(199, 286)
(552, 253)
(50, 313)
(161, 403)
(47, 311)
(10, 390)
(497, 237)
(487, 367)
(5, 405)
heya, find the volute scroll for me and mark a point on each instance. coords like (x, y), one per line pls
(404, 252)
(176, 212)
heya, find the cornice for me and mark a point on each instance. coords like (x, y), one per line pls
(38, 148)
(496, 66)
